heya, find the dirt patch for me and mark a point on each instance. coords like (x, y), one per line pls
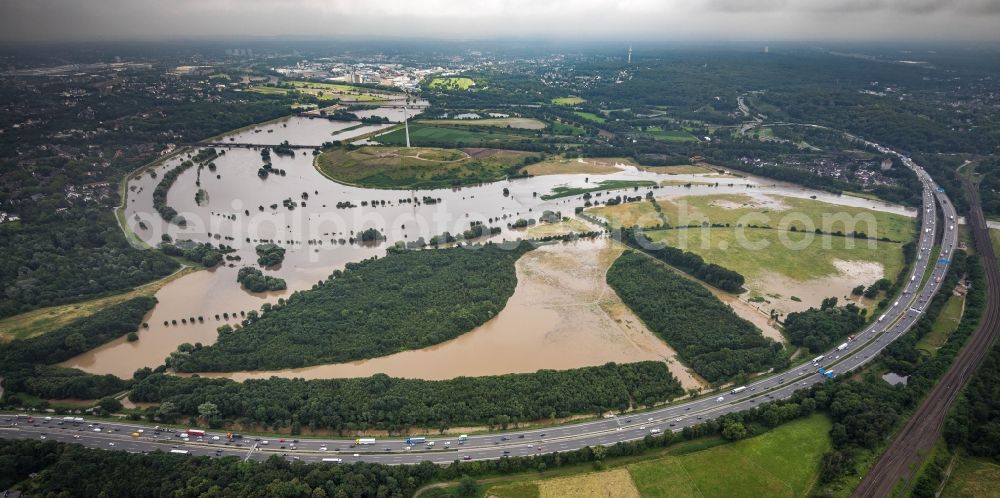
(609, 484)
(777, 290)
(591, 166)
(752, 202)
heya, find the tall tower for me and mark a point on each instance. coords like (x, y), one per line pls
(406, 120)
(630, 54)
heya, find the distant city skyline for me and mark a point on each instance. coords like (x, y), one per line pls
(638, 20)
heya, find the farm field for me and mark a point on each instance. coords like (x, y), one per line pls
(452, 136)
(777, 211)
(589, 116)
(973, 478)
(681, 169)
(786, 271)
(40, 321)
(632, 214)
(558, 192)
(670, 135)
(452, 83)
(944, 325)
(324, 91)
(761, 251)
(781, 463)
(560, 228)
(568, 100)
(519, 123)
(419, 167)
(565, 166)
(559, 128)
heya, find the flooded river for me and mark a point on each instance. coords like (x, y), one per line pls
(562, 315)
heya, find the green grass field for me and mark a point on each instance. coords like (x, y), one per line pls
(558, 192)
(589, 116)
(519, 123)
(568, 100)
(759, 251)
(559, 128)
(421, 167)
(973, 478)
(324, 91)
(782, 212)
(786, 212)
(40, 321)
(995, 239)
(670, 135)
(783, 462)
(452, 136)
(340, 87)
(452, 83)
(944, 325)
(639, 214)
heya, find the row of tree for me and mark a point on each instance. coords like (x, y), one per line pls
(383, 402)
(818, 329)
(711, 273)
(406, 300)
(255, 281)
(163, 187)
(70, 256)
(27, 364)
(707, 335)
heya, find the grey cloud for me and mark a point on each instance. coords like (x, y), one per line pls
(579, 19)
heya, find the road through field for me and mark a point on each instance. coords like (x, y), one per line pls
(923, 429)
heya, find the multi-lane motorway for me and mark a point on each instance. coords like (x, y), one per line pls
(897, 320)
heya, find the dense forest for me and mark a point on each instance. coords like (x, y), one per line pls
(818, 329)
(988, 173)
(708, 336)
(382, 402)
(974, 424)
(269, 254)
(70, 256)
(163, 187)
(255, 281)
(406, 300)
(47, 468)
(26, 365)
(866, 410)
(689, 262)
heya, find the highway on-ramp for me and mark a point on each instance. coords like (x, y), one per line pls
(898, 318)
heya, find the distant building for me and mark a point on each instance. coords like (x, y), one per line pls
(886, 164)
(896, 379)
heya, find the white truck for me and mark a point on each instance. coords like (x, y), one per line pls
(365, 440)
(737, 390)
(842, 347)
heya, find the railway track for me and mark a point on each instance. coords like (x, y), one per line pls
(924, 428)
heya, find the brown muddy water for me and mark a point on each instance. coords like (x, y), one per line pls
(562, 315)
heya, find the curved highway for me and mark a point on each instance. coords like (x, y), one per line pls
(900, 316)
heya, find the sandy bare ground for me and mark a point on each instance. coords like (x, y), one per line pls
(812, 292)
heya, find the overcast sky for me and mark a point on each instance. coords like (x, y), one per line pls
(29, 20)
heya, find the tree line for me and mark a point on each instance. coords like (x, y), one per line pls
(160, 192)
(711, 273)
(27, 364)
(707, 335)
(866, 409)
(818, 329)
(406, 300)
(71, 256)
(395, 404)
